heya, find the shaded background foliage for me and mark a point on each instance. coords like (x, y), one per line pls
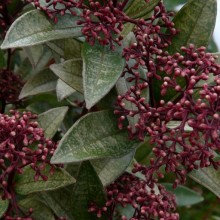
(57, 70)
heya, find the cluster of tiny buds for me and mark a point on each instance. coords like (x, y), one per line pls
(56, 7)
(22, 144)
(10, 86)
(184, 131)
(150, 39)
(148, 203)
(101, 21)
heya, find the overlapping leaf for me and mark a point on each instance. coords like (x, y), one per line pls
(96, 135)
(195, 22)
(101, 69)
(70, 72)
(44, 81)
(35, 28)
(51, 120)
(25, 183)
(88, 189)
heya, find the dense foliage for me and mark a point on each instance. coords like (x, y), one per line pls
(107, 108)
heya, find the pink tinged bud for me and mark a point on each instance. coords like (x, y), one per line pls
(13, 133)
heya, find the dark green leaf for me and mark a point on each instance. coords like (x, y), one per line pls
(139, 8)
(70, 72)
(88, 189)
(51, 120)
(196, 22)
(2, 59)
(59, 201)
(44, 81)
(208, 177)
(25, 183)
(101, 69)
(35, 28)
(184, 195)
(110, 169)
(40, 211)
(66, 48)
(96, 135)
(3, 206)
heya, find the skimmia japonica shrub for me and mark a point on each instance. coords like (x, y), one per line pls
(107, 108)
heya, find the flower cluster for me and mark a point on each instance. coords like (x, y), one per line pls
(146, 202)
(22, 143)
(184, 131)
(10, 86)
(103, 22)
(55, 7)
(100, 21)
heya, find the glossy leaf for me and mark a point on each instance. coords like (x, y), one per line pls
(25, 183)
(35, 28)
(88, 188)
(196, 22)
(101, 69)
(40, 211)
(184, 195)
(63, 90)
(208, 177)
(3, 206)
(70, 72)
(139, 8)
(44, 81)
(51, 120)
(109, 170)
(95, 135)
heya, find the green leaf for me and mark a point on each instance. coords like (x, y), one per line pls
(39, 55)
(40, 211)
(101, 69)
(184, 195)
(51, 120)
(95, 135)
(88, 188)
(70, 72)
(64, 48)
(196, 22)
(109, 170)
(208, 177)
(139, 8)
(25, 183)
(63, 90)
(59, 201)
(3, 206)
(2, 59)
(44, 81)
(35, 28)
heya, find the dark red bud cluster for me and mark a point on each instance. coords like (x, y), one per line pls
(184, 131)
(54, 7)
(147, 202)
(22, 143)
(103, 22)
(10, 86)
